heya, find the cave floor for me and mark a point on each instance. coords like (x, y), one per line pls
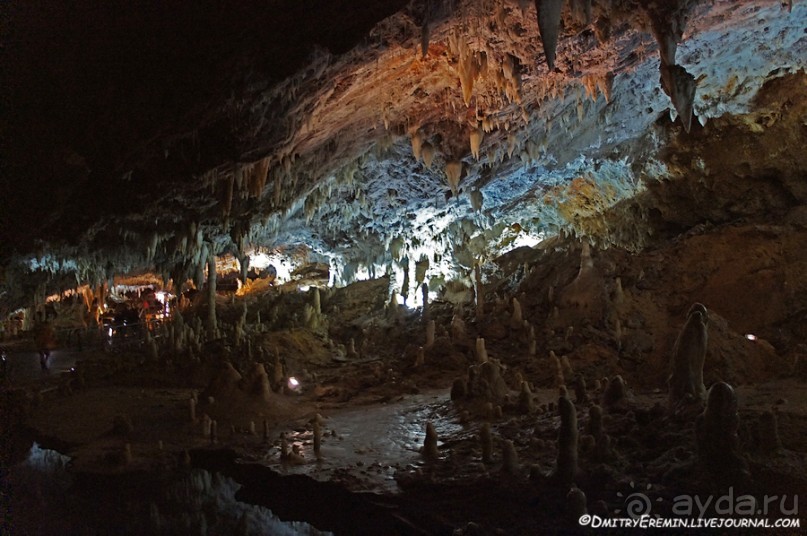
(372, 444)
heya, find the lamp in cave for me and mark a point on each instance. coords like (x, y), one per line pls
(294, 384)
(751, 336)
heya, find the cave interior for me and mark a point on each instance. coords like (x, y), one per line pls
(402, 267)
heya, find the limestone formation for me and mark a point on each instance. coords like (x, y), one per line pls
(458, 333)
(510, 463)
(485, 381)
(566, 367)
(517, 320)
(420, 358)
(555, 365)
(525, 402)
(576, 504)
(481, 352)
(459, 389)
(687, 359)
(614, 394)
(317, 433)
(430, 329)
(430, 451)
(680, 86)
(256, 384)
(716, 435)
(580, 391)
(566, 466)
(549, 12)
(224, 383)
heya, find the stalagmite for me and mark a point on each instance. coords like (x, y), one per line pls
(554, 363)
(243, 263)
(516, 321)
(214, 431)
(430, 329)
(525, 403)
(716, 435)
(127, 454)
(457, 328)
(420, 358)
(615, 392)
(510, 463)
(548, 12)
(424, 290)
(532, 348)
(576, 504)
(430, 451)
(351, 349)
(317, 301)
(688, 357)
(212, 327)
(459, 389)
(580, 391)
(481, 352)
(405, 283)
(317, 430)
(568, 373)
(192, 403)
(566, 467)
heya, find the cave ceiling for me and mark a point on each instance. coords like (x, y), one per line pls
(139, 135)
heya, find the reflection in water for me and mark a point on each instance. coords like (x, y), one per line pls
(374, 441)
(45, 499)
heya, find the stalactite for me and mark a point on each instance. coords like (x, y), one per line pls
(680, 86)
(548, 12)
(417, 144)
(476, 141)
(428, 154)
(453, 174)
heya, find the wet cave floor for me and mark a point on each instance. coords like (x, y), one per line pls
(370, 476)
